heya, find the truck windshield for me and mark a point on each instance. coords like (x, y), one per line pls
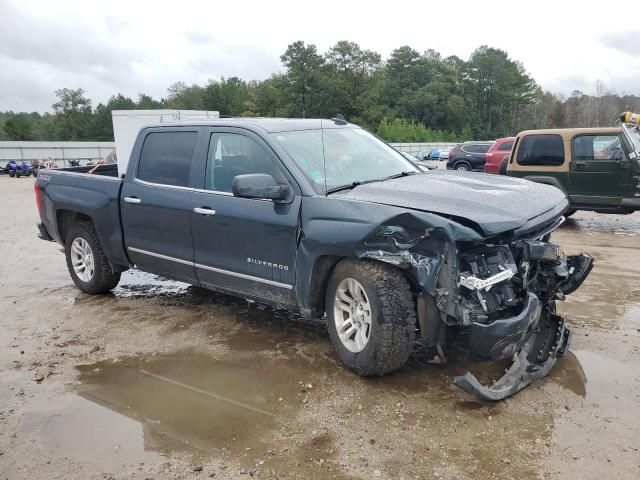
(333, 158)
(634, 137)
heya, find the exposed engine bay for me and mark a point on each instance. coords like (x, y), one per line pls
(485, 282)
(496, 294)
(507, 296)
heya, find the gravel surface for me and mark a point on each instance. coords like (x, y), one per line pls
(162, 380)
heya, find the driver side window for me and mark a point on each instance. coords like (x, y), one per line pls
(232, 154)
(597, 147)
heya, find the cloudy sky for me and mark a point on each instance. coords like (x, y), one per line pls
(137, 46)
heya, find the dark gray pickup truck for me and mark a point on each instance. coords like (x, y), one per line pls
(321, 217)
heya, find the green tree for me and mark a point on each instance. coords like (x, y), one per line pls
(184, 97)
(303, 65)
(145, 102)
(102, 125)
(19, 126)
(497, 89)
(347, 75)
(73, 114)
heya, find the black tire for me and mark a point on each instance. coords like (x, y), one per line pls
(503, 165)
(462, 167)
(12, 174)
(393, 313)
(104, 278)
(569, 212)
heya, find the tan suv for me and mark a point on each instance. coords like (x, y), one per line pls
(597, 168)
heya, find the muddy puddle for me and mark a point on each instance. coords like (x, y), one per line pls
(597, 378)
(131, 409)
(135, 283)
(588, 222)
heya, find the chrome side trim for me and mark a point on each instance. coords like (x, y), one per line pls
(92, 175)
(213, 269)
(162, 185)
(246, 277)
(158, 255)
(214, 192)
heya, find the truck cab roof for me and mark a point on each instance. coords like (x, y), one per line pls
(568, 133)
(266, 125)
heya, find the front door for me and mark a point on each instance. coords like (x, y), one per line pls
(599, 169)
(245, 246)
(156, 205)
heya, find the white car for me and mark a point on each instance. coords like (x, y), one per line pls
(444, 155)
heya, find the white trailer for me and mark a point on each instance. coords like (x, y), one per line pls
(127, 124)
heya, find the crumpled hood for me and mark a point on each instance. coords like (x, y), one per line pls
(496, 203)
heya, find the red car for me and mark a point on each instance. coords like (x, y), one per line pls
(496, 153)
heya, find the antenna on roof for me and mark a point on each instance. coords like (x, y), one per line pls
(339, 119)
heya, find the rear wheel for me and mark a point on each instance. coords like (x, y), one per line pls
(463, 167)
(88, 266)
(503, 165)
(570, 212)
(371, 316)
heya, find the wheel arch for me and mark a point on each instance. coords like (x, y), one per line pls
(460, 162)
(323, 268)
(66, 219)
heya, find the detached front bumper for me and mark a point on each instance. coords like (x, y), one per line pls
(535, 338)
(549, 342)
(505, 337)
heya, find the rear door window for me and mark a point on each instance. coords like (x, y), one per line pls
(506, 147)
(541, 150)
(597, 147)
(471, 148)
(166, 158)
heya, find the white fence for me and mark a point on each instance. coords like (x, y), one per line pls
(413, 148)
(60, 152)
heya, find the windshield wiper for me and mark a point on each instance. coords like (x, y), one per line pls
(405, 173)
(351, 185)
(346, 187)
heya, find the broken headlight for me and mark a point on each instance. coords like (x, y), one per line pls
(485, 281)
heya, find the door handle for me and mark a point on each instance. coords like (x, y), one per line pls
(581, 166)
(204, 211)
(132, 200)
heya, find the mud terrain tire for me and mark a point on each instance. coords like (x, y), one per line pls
(393, 317)
(103, 278)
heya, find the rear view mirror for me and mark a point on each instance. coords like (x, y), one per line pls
(259, 185)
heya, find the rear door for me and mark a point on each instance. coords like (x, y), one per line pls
(246, 246)
(156, 204)
(600, 169)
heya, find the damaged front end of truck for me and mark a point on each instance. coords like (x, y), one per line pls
(498, 294)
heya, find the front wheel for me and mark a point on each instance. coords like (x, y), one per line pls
(371, 316)
(88, 266)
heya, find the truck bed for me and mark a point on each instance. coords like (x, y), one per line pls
(107, 170)
(68, 192)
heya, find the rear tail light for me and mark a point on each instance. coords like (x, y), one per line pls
(452, 154)
(36, 189)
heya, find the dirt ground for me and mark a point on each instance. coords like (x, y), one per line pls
(160, 380)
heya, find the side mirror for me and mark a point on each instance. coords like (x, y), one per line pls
(259, 185)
